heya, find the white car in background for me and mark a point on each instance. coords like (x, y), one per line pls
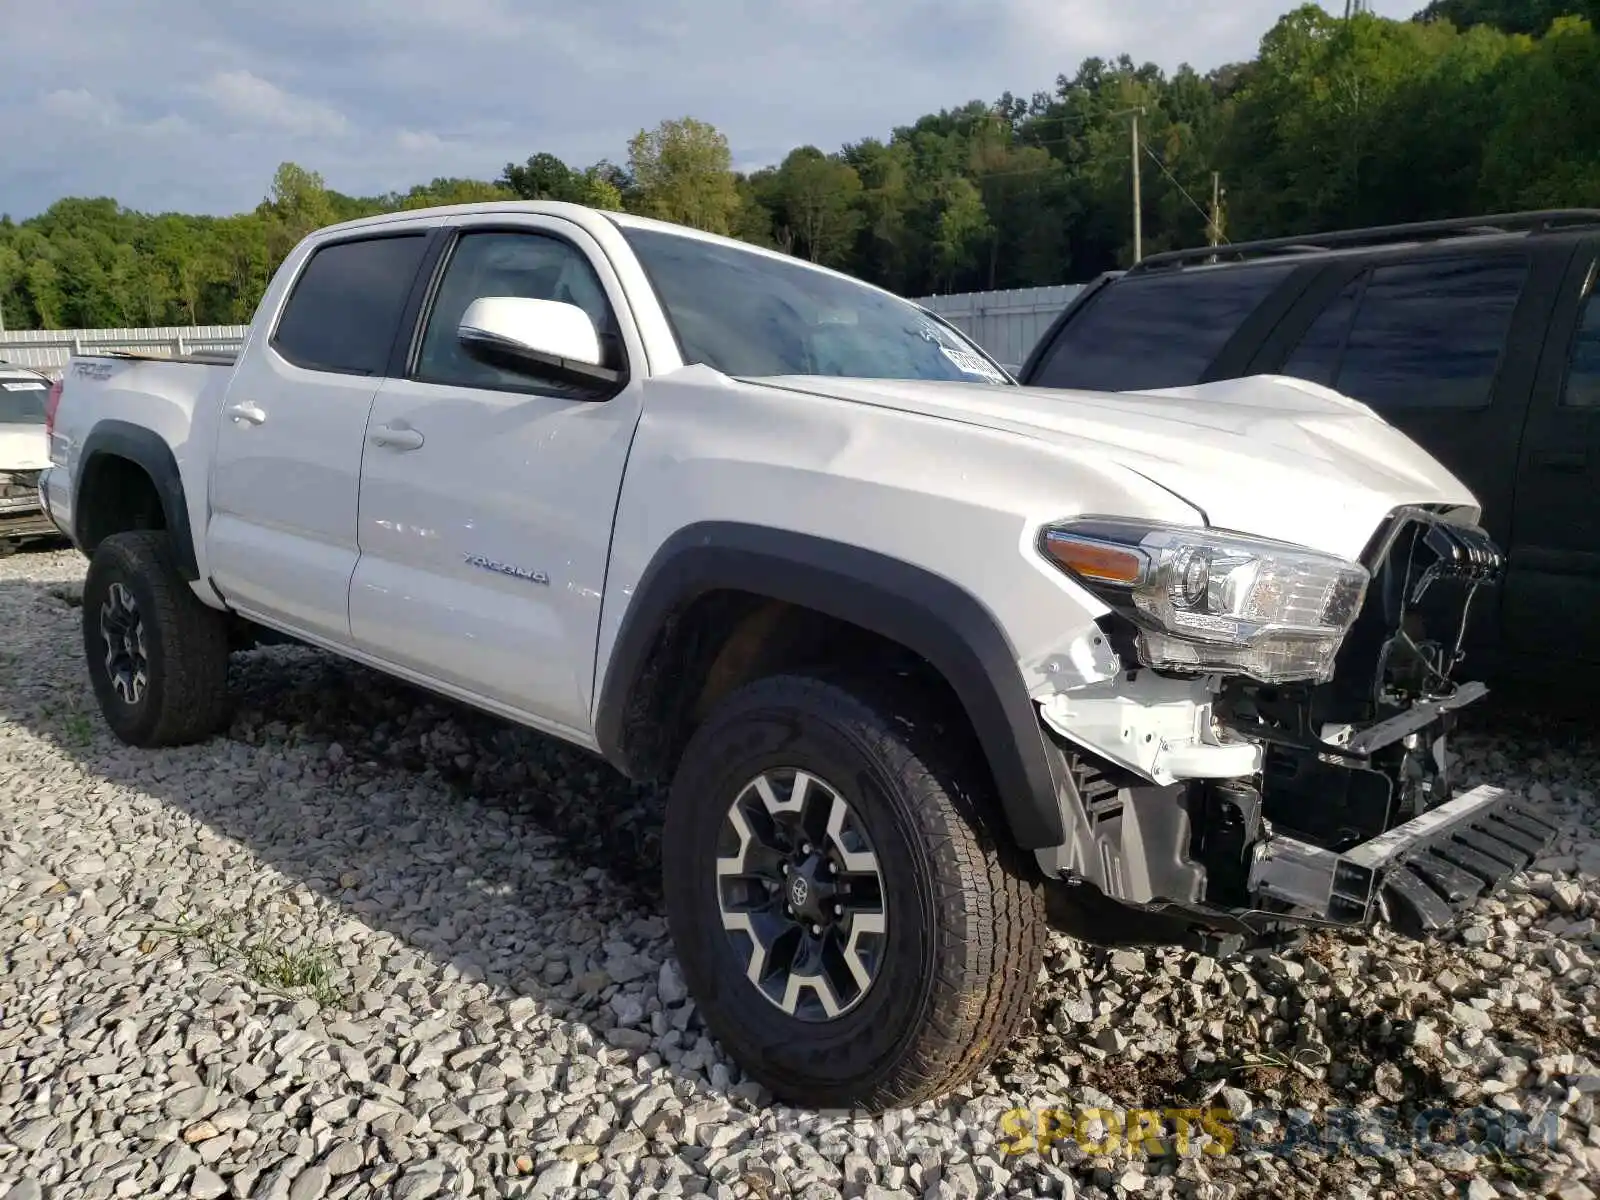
(24, 452)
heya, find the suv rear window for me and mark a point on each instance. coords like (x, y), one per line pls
(345, 308)
(1155, 331)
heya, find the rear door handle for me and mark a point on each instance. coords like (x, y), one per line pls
(1561, 460)
(392, 437)
(247, 411)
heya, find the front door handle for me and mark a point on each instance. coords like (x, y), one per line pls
(247, 411)
(1561, 460)
(396, 437)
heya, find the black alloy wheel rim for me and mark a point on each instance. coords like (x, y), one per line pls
(801, 895)
(122, 632)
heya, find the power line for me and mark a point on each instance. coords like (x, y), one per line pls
(1157, 160)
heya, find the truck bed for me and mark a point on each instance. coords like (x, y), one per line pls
(206, 358)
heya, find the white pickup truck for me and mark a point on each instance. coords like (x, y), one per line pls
(931, 661)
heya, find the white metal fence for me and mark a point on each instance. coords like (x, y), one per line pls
(1005, 323)
(47, 350)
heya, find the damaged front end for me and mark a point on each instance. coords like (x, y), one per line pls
(1229, 807)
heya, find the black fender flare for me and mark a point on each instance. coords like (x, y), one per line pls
(923, 611)
(147, 450)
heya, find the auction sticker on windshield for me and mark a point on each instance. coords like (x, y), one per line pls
(971, 364)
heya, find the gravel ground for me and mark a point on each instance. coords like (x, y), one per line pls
(371, 944)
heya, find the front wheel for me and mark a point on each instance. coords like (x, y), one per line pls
(157, 657)
(841, 912)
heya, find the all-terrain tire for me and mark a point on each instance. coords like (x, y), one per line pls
(185, 645)
(965, 921)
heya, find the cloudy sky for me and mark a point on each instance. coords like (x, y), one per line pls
(189, 105)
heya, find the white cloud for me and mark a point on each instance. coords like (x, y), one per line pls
(81, 106)
(250, 100)
(195, 110)
(414, 141)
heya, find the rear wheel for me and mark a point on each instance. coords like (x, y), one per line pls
(842, 914)
(157, 657)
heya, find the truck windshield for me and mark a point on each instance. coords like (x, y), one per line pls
(749, 314)
(22, 401)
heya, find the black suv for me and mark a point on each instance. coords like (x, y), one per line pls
(1480, 338)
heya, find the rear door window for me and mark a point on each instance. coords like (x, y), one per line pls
(1424, 334)
(1317, 357)
(345, 309)
(1155, 331)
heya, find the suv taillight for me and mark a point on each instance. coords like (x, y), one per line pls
(51, 403)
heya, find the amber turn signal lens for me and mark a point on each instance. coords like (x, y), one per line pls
(1096, 560)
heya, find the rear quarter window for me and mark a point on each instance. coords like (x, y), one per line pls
(1422, 334)
(1155, 331)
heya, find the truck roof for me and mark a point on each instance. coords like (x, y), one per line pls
(584, 214)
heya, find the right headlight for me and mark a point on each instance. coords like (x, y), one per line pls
(1209, 601)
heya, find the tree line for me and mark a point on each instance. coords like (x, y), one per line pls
(1471, 107)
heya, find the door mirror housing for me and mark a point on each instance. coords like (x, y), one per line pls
(547, 338)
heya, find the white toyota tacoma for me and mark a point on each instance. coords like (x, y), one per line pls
(930, 661)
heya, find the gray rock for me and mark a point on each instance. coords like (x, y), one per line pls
(1567, 896)
(275, 1184)
(345, 1158)
(207, 1184)
(556, 1180)
(310, 1184)
(246, 1078)
(30, 1136)
(1128, 962)
(420, 1181)
(670, 986)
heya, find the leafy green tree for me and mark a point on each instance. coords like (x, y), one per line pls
(451, 191)
(1511, 16)
(1544, 148)
(298, 204)
(683, 172)
(820, 199)
(963, 227)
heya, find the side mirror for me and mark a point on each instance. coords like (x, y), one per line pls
(536, 337)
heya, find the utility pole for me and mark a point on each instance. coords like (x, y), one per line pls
(1138, 195)
(1216, 207)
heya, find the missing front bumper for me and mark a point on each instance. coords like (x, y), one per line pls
(1418, 877)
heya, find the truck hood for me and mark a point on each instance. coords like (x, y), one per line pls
(1268, 455)
(23, 448)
